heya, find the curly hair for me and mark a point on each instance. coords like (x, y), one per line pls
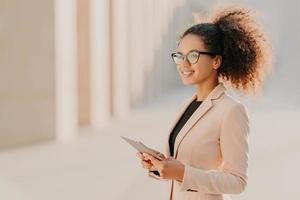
(234, 33)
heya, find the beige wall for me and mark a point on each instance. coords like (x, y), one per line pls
(72, 63)
(83, 57)
(26, 71)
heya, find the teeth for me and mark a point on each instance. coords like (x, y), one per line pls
(187, 73)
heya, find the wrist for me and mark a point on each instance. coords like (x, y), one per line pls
(180, 173)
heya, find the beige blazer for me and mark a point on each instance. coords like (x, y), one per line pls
(213, 146)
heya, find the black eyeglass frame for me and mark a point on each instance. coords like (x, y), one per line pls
(185, 56)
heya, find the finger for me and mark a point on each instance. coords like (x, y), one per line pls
(146, 165)
(152, 157)
(148, 156)
(140, 155)
(154, 160)
(145, 157)
(153, 168)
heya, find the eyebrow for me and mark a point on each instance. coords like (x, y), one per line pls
(189, 51)
(202, 52)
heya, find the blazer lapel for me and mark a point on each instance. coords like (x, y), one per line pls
(201, 111)
(181, 111)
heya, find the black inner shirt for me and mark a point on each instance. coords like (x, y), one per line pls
(184, 118)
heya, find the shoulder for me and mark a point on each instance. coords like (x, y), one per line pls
(230, 105)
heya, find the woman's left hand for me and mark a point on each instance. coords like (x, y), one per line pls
(169, 168)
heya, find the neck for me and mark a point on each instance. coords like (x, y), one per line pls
(203, 89)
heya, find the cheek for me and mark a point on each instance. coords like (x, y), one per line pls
(202, 69)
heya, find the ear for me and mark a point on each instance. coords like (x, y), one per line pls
(217, 61)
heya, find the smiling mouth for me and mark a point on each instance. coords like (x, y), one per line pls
(186, 74)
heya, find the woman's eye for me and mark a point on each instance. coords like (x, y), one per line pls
(179, 57)
(193, 55)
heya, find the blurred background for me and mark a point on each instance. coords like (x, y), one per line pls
(77, 74)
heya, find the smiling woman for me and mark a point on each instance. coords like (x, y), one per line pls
(207, 147)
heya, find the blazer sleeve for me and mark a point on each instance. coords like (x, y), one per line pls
(231, 178)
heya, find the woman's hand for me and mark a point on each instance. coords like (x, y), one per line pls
(146, 163)
(169, 168)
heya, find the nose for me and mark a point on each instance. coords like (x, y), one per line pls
(185, 63)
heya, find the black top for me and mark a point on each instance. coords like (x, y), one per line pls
(184, 118)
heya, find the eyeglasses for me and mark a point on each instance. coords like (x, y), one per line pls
(192, 57)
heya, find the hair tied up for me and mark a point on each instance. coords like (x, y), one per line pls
(246, 48)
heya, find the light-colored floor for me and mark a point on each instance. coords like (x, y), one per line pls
(99, 165)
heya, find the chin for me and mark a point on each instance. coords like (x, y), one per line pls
(188, 83)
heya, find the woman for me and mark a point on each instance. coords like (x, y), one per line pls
(207, 148)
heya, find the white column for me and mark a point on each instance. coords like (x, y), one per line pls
(149, 45)
(137, 49)
(120, 54)
(101, 65)
(66, 70)
(158, 67)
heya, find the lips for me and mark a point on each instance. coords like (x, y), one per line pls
(187, 73)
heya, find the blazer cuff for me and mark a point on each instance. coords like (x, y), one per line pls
(211, 181)
(184, 185)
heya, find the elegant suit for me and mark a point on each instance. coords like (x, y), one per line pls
(213, 146)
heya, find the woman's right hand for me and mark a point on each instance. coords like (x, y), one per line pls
(146, 163)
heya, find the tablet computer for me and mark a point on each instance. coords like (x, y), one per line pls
(143, 148)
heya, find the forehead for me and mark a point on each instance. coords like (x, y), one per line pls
(190, 42)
